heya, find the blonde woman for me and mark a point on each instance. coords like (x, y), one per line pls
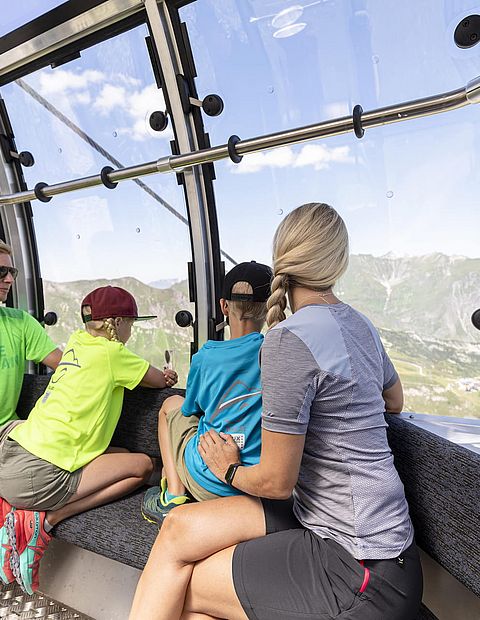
(344, 547)
(58, 462)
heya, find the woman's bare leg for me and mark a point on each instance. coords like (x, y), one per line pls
(190, 533)
(175, 485)
(211, 591)
(193, 616)
(106, 478)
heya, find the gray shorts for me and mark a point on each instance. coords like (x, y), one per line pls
(29, 482)
(295, 574)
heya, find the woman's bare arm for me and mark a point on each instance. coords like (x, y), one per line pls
(393, 398)
(275, 475)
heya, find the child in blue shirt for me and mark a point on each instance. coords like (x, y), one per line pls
(223, 393)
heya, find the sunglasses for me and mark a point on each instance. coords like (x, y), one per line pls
(13, 271)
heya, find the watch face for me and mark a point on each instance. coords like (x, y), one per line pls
(231, 473)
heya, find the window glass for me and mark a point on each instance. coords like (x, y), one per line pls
(75, 119)
(18, 13)
(408, 192)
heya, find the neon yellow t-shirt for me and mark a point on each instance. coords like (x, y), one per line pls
(73, 422)
(22, 338)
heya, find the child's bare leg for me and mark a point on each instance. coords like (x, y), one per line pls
(106, 478)
(190, 533)
(175, 485)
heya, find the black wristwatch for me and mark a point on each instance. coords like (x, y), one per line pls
(231, 471)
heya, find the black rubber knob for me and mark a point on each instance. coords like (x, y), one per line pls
(184, 318)
(476, 318)
(50, 318)
(26, 159)
(467, 33)
(212, 105)
(158, 121)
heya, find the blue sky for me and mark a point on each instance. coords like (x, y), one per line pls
(409, 189)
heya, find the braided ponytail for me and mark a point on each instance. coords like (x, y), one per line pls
(111, 329)
(310, 250)
(99, 328)
(277, 302)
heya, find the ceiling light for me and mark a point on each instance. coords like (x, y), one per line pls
(289, 31)
(288, 16)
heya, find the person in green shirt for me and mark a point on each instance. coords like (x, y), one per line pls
(22, 339)
(58, 463)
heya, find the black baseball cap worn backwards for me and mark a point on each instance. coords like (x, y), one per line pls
(257, 275)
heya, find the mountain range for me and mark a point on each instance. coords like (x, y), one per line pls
(421, 306)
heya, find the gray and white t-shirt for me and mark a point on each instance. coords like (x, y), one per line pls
(323, 372)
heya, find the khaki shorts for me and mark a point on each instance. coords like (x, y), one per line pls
(29, 482)
(180, 430)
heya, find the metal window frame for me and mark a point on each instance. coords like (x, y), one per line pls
(89, 24)
(17, 229)
(198, 158)
(83, 28)
(166, 31)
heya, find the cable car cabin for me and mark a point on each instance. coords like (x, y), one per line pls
(155, 144)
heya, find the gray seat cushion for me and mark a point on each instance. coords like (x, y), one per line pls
(442, 490)
(116, 530)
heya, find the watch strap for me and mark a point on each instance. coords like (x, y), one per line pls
(231, 471)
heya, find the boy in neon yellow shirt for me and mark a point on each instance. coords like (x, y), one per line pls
(58, 463)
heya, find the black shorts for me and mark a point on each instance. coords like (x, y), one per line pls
(293, 573)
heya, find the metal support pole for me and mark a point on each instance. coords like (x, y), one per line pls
(436, 104)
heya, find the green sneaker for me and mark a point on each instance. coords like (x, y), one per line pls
(156, 506)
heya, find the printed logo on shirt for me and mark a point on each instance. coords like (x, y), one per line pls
(10, 361)
(238, 393)
(68, 361)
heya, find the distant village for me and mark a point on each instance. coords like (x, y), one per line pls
(469, 385)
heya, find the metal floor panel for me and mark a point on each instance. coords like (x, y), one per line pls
(16, 605)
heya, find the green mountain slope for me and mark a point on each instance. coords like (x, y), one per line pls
(149, 339)
(433, 296)
(421, 305)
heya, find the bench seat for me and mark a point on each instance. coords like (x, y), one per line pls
(440, 479)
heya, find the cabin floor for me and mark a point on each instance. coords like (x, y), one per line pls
(16, 605)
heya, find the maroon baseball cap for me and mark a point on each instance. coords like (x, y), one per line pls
(110, 302)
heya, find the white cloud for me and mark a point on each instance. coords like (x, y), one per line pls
(139, 104)
(128, 79)
(110, 97)
(317, 155)
(83, 98)
(133, 104)
(277, 158)
(61, 81)
(136, 105)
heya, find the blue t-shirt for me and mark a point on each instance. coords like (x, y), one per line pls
(223, 387)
